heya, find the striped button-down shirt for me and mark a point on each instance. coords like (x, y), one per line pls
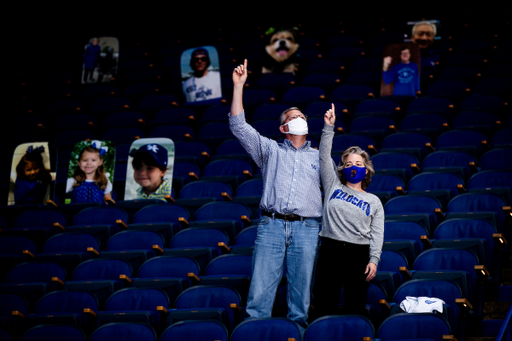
(164, 189)
(291, 177)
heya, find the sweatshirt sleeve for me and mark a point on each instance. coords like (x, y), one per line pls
(327, 167)
(389, 76)
(377, 235)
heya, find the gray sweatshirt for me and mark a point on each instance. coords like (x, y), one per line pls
(348, 215)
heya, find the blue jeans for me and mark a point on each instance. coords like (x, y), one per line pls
(278, 241)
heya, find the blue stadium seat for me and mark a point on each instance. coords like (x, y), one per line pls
(68, 249)
(63, 307)
(331, 328)
(54, 332)
(129, 331)
(212, 297)
(135, 304)
(447, 290)
(101, 277)
(272, 328)
(419, 326)
(195, 330)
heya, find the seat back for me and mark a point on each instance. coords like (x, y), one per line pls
(434, 181)
(405, 230)
(100, 215)
(200, 237)
(465, 139)
(16, 245)
(341, 142)
(160, 214)
(33, 218)
(132, 331)
(227, 167)
(419, 326)
(347, 327)
(414, 204)
(223, 210)
(447, 158)
(11, 302)
(247, 236)
(101, 269)
(230, 264)
(406, 140)
(133, 240)
(71, 242)
(168, 266)
(402, 161)
(302, 95)
(491, 178)
(50, 332)
(391, 260)
(497, 159)
(273, 328)
(137, 299)
(253, 187)
(195, 330)
(386, 183)
(472, 202)
(35, 272)
(66, 301)
(205, 189)
(441, 259)
(444, 289)
(210, 296)
(462, 229)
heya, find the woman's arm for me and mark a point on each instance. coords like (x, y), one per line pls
(376, 241)
(327, 171)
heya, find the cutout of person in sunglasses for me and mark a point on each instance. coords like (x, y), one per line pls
(205, 83)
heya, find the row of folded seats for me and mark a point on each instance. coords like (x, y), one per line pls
(374, 117)
(324, 73)
(169, 289)
(230, 162)
(419, 243)
(352, 327)
(435, 194)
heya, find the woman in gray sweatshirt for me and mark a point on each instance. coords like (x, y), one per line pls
(352, 229)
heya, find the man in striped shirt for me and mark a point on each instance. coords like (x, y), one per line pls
(291, 207)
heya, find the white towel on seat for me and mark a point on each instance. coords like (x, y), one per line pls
(422, 304)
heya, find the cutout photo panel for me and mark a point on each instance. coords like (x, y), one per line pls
(426, 34)
(281, 50)
(401, 70)
(150, 168)
(200, 73)
(30, 174)
(100, 60)
(91, 172)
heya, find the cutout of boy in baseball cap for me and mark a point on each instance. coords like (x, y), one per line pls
(149, 167)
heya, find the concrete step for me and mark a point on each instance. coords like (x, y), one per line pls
(491, 328)
(495, 310)
(481, 338)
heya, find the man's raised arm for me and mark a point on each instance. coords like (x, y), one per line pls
(239, 78)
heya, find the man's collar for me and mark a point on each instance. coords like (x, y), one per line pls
(289, 143)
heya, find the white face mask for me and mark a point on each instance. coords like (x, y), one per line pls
(297, 126)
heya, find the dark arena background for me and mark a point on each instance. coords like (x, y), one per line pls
(180, 268)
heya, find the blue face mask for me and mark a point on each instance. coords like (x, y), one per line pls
(354, 174)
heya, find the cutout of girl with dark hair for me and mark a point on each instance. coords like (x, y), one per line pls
(32, 178)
